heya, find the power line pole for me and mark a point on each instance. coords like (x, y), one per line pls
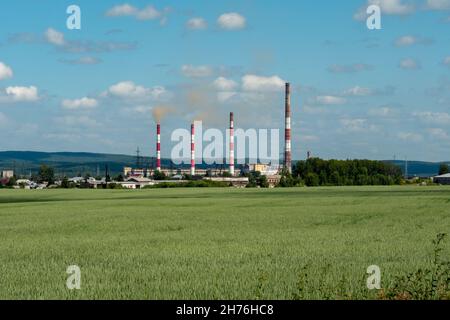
(406, 167)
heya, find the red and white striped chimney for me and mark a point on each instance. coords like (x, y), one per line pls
(192, 150)
(287, 149)
(158, 147)
(232, 143)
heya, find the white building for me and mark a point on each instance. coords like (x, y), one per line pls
(442, 179)
(7, 174)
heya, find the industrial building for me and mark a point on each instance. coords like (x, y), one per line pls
(442, 179)
(272, 172)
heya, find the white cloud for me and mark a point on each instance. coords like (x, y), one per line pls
(148, 13)
(410, 136)
(389, 7)
(409, 64)
(438, 4)
(405, 41)
(121, 10)
(224, 84)
(356, 125)
(22, 94)
(408, 40)
(191, 71)
(5, 71)
(258, 83)
(381, 112)
(129, 90)
(358, 91)
(54, 37)
(330, 100)
(197, 24)
(439, 133)
(231, 21)
(433, 117)
(73, 121)
(127, 10)
(83, 103)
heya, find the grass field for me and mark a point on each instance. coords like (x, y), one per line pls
(216, 243)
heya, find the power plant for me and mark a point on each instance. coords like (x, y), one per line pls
(192, 150)
(232, 144)
(287, 136)
(269, 170)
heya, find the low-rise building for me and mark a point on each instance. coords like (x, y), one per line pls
(235, 182)
(442, 179)
(136, 183)
(273, 181)
(7, 174)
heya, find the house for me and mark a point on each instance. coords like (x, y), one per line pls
(136, 183)
(442, 179)
(235, 182)
(273, 180)
(7, 174)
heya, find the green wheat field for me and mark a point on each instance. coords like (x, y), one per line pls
(305, 243)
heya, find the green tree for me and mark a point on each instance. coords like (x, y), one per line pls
(119, 178)
(46, 174)
(335, 178)
(65, 183)
(443, 169)
(312, 180)
(263, 183)
(11, 182)
(158, 175)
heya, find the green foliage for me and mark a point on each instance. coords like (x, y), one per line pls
(119, 178)
(159, 176)
(46, 174)
(317, 172)
(65, 184)
(115, 186)
(312, 179)
(11, 182)
(431, 283)
(256, 180)
(443, 169)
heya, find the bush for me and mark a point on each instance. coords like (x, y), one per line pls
(190, 184)
(425, 284)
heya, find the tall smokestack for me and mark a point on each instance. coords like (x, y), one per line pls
(158, 147)
(287, 149)
(232, 143)
(192, 150)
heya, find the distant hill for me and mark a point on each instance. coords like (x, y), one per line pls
(75, 163)
(68, 163)
(420, 168)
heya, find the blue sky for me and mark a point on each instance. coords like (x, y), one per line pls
(357, 93)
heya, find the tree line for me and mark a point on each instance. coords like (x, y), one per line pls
(316, 172)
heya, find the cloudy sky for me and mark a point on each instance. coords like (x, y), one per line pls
(357, 93)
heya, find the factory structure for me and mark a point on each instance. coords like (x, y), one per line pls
(231, 174)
